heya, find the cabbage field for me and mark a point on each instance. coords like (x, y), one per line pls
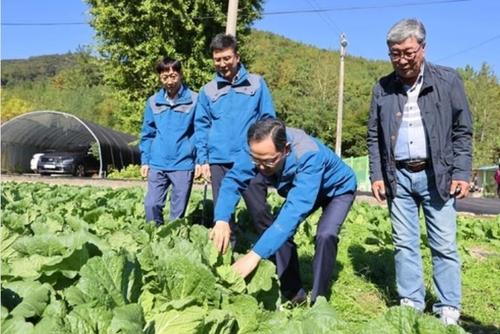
(83, 260)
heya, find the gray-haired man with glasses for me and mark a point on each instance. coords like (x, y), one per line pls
(420, 147)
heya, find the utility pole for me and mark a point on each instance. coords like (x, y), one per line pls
(338, 139)
(232, 16)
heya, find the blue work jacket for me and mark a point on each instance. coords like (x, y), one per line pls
(167, 141)
(311, 171)
(447, 124)
(224, 113)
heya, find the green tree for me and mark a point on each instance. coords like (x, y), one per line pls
(304, 84)
(85, 73)
(483, 92)
(71, 83)
(13, 106)
(132, 35)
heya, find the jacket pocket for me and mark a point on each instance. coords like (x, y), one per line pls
(179, 118)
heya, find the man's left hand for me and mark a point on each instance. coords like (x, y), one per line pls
(246, 264)
(459, 189)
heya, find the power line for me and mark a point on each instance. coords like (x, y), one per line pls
(338, 9)
(315, 9)
(323, 16)
(43, 23)
(284, 12)
(469, 48)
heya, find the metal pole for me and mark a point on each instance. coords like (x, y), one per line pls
(232, 16)
(338, 139)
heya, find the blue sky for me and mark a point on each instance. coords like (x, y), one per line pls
(459, 32)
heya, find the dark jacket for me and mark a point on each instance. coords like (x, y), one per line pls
(447, 122)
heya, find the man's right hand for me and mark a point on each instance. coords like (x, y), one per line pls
(378, 190)
(202, 171)
(144, 171)
(220, 235)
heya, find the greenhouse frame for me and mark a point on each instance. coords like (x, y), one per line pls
(54, 131)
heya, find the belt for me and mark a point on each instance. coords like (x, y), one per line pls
(413, 165)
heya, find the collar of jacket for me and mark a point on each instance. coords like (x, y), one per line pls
(428, 76)
(240, 78)
(427, 79)
(183, 96)
(289, 166)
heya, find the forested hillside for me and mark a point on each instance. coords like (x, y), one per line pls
(303, 81)
(18, 71)
(71, 83)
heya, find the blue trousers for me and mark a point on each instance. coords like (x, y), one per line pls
(335, 211)
(158, 183)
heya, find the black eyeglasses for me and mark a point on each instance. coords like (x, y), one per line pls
(270, 163)
(407, 55)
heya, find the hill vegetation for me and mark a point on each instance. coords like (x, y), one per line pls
(33, 69)
(71, 83)
(303, 81)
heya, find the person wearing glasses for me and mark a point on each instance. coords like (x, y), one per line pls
(227, 106)
(310, 176)
(166, 143)
(420, 150)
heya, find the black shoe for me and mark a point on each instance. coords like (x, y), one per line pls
(300, 298)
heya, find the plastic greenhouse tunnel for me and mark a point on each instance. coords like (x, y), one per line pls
(53, 131)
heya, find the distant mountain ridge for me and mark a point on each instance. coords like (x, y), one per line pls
(35, 68)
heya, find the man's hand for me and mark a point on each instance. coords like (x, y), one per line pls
(246, 264)
(144, 171)
(220, 235)
(459, 189)
(202, 171)
(378, 190)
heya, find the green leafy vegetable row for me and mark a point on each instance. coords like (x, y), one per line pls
(83, 260)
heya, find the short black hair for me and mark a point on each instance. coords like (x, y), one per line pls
(269, 127)
(223, 41)
(168, 63)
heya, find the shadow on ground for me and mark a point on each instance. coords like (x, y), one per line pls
(376, 267)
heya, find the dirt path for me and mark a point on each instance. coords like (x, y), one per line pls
(73, 181)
